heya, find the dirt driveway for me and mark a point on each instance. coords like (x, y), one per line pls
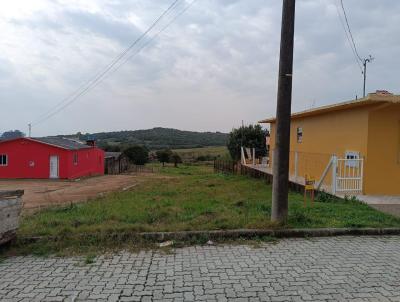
(42, 193)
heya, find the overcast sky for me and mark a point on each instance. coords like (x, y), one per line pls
(215, 66)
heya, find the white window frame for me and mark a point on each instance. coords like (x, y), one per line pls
(299, 138)
(6, 162)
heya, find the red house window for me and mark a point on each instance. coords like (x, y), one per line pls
(3, 160)
(75, 159)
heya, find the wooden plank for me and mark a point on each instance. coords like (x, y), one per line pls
(11, 194)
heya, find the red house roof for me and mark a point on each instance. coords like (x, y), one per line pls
(59, 142)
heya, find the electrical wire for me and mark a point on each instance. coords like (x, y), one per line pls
(154, 37)
(89, 84)
(351, 35)
(356, 57)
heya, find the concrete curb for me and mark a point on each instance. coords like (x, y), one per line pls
(223, 234)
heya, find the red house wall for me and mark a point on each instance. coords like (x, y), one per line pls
(30, 159)
(90, 162)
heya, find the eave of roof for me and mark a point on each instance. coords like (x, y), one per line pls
(369, 100)
(73, 146)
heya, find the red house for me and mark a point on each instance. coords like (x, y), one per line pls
(49, 157)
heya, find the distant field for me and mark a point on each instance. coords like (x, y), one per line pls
(208, 153)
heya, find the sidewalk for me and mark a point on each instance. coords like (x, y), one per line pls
(318, 269)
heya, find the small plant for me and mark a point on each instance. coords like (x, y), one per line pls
(267, 239)
(351, 198)
(325, 197)
(300, 218)
(90, 259)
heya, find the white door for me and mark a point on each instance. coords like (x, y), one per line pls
(54, 166)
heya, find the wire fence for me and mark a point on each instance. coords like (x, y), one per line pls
(226, 166)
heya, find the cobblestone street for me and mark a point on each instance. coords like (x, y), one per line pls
(322, 269)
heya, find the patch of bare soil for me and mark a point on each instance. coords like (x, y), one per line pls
(44, 193)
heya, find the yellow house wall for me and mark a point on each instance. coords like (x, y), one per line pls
(382, 166)
(324, 135)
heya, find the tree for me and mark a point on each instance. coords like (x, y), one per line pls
(164, 156)
(110, 148)
(137, 154)
(12, 134)
(251, 136)
(176, 159)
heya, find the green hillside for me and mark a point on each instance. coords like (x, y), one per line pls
(159, 138)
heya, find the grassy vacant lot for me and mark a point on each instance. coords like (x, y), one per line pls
(184, 198)
(208, 152)
(194, 198)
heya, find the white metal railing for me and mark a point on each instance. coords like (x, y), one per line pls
(348, 175)
(248, 155)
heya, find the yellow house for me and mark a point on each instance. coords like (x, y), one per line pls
(351, 147)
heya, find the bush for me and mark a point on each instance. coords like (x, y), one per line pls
(137, 154)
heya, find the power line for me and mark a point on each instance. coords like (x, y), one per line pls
(77, 93)
(353, 46)
(354, 51)
(154, 37)
(94, 84)
(348, 26)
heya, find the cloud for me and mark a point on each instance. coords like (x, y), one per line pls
(215, 66)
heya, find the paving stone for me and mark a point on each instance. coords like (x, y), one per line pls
(320, 269)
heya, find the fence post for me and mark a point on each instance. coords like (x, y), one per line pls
(334, 168)
(254, 156)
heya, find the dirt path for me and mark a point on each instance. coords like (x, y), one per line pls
(43, 193)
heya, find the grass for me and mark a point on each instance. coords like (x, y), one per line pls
(188, 198)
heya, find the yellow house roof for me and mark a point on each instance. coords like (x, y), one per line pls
(372, 98)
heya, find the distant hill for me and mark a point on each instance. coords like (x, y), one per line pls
(158, 138)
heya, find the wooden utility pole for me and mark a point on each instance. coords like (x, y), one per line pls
(280, 186)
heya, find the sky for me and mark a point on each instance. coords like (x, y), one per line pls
(215, 66)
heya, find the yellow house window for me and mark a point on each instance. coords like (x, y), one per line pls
(299, 134)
